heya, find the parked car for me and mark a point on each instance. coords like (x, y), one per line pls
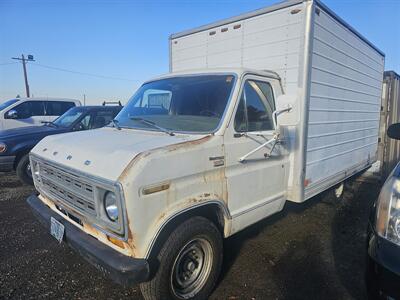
(22, 112)
(213, 147)
(15, 144)
(383, 238)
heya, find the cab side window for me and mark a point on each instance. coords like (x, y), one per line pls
(255, 109)
(57, 108)
(102, 118)
(85, 123)
(29, 109)
(96, 119)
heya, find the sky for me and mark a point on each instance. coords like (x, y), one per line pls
(105, 49)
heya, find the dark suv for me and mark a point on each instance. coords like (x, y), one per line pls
(15, 144)
(383, 266)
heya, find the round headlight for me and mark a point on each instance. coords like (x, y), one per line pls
(110, 206)
(388, 210)
(3, 147)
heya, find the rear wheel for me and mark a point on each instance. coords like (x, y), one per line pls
(189, 263)
(24, 171)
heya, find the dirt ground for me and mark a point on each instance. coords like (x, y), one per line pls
(314, 250)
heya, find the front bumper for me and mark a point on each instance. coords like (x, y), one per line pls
(122, 269)
(383, 267)
(6, 163)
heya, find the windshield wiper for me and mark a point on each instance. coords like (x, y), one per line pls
(151, 123)
(116, 124)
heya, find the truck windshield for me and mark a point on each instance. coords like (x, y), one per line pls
(179, 104)
(7, 103)
(68, 118)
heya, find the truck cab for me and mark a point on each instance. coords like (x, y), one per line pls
(184, 154)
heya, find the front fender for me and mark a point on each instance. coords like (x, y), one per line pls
(215, 210)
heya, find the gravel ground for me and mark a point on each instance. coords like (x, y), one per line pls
(314, 250)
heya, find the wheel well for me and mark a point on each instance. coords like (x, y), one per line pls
(19, 155)
(213, 212)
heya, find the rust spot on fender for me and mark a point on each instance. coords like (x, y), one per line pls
(125, 172)
(185, 144)
(131, 241)
(161, 216)
(90, 229)
(198, 199)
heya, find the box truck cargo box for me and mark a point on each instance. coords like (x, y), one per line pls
(329, 70)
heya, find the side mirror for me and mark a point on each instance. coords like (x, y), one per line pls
(394, 131)
(277, 112)
(287, 109)
(12, 114)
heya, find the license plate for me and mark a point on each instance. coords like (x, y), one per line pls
(57, 229)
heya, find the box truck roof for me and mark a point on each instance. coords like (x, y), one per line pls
(237, 71)
(269, 9)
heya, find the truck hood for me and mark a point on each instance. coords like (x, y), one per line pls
(104, 152)
(28, 131)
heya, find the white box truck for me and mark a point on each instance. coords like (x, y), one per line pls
(274, 105)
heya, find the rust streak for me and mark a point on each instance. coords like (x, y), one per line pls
(188, 143)
(161, 216)
(125, 172)
(131, 241)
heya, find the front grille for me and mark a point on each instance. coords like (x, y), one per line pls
(66, 179)
(66, 188)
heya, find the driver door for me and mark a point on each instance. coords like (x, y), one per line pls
(255, 186)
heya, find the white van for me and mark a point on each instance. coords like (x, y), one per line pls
(32, 111)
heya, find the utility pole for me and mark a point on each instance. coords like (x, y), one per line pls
(24, 60)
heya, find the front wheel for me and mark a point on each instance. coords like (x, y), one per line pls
(189, 262)
(24, 171)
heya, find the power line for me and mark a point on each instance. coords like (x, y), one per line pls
(83, 73)
(9, 63)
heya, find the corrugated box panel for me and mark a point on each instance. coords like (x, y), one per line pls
(344, 104)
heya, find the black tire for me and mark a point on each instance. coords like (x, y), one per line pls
(172, 254)
(23, 169)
